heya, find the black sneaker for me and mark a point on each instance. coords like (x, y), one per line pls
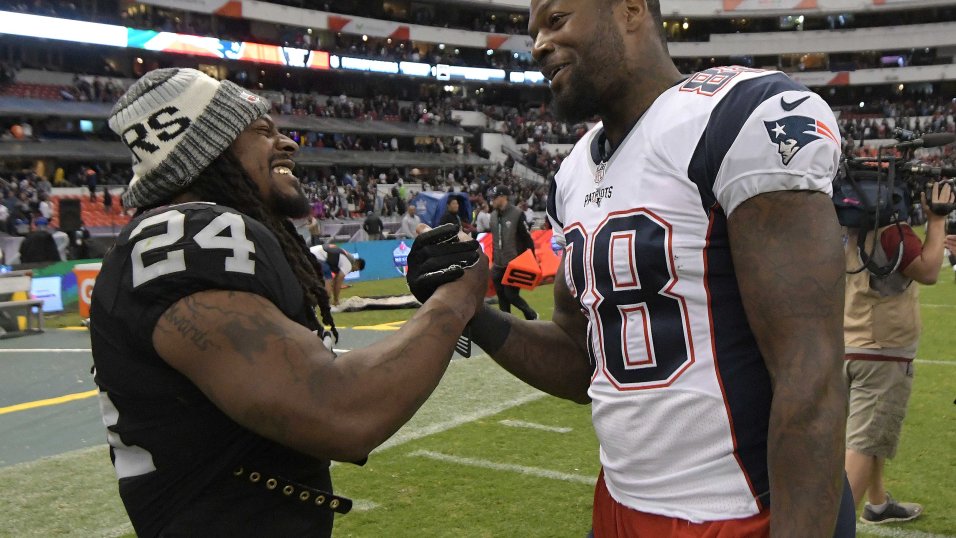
(895, 511)
(532, 317)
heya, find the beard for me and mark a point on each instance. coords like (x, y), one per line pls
(577, 101)
(596, 76)
(293, 206)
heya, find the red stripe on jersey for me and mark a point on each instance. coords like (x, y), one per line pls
(825, 131)
(720, 381)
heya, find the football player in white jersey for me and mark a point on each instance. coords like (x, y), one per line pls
(699, 303)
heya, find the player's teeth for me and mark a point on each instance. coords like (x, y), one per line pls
(281, 170)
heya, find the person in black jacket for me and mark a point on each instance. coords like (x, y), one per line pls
(454, 217)
(373, 226)
(510, 235)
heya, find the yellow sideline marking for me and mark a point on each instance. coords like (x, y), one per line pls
(49, 401)
(391, 326)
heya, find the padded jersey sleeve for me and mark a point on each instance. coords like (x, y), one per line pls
(188, 248)
(769, 134)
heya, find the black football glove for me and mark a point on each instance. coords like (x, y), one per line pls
(438, 257)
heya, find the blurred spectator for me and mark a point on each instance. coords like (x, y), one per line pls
(373, 226)
(410, 222)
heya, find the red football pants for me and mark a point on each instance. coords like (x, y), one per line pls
(612, 519)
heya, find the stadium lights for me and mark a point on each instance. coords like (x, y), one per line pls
(66, 30)
(446, 72)
(415, 69)
(363, 64)
(20, 24)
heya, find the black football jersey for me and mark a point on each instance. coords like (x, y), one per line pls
(173, 450)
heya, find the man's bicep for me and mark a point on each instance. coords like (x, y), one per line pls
(241, 351)
(788, 258)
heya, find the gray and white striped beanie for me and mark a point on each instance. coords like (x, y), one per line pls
(175, 122)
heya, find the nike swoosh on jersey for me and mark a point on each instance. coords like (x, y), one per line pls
(790, 106)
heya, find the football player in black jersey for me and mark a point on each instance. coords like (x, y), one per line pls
(222, 407)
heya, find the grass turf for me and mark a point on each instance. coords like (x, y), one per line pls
(75, 494)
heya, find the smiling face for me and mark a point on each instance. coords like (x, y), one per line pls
(266, 155)
(580, 48)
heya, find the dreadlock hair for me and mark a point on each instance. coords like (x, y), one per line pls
(226, 182)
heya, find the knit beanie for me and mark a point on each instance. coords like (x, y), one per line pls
(175, 122)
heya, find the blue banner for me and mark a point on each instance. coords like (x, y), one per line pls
(383, 259)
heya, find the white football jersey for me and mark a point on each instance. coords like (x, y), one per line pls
(681, 395)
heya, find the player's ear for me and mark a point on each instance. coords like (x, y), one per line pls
(636, 15)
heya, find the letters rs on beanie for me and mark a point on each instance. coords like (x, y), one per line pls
(176, 122)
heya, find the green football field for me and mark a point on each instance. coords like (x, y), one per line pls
(490, 457)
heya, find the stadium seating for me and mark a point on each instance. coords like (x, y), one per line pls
(92, 213)
(35, 91)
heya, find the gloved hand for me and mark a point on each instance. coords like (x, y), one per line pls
(438, 257)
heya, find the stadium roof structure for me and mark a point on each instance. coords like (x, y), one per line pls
(89, 150)
(33, 108)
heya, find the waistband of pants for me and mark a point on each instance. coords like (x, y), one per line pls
(878, 358)
(294, 491)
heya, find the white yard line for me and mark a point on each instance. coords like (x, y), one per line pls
(403, 436)
(116, 532)
(533, 426)
(927, 361)
(895, 532)
(521, 469)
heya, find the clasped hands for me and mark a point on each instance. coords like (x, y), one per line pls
(440, 256)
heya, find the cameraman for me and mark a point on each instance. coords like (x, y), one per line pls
(881, 334)
(951, 239)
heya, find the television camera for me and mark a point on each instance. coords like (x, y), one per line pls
(872, 192)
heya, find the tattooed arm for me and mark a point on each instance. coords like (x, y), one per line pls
(789, 262)
(275, 377)
(548, 355)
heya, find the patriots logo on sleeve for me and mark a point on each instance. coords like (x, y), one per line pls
(793, 133)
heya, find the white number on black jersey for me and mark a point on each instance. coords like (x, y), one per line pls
(208, 238)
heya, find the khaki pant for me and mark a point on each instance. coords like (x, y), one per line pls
(879, 392)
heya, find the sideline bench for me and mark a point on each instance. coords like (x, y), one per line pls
(19, 281)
